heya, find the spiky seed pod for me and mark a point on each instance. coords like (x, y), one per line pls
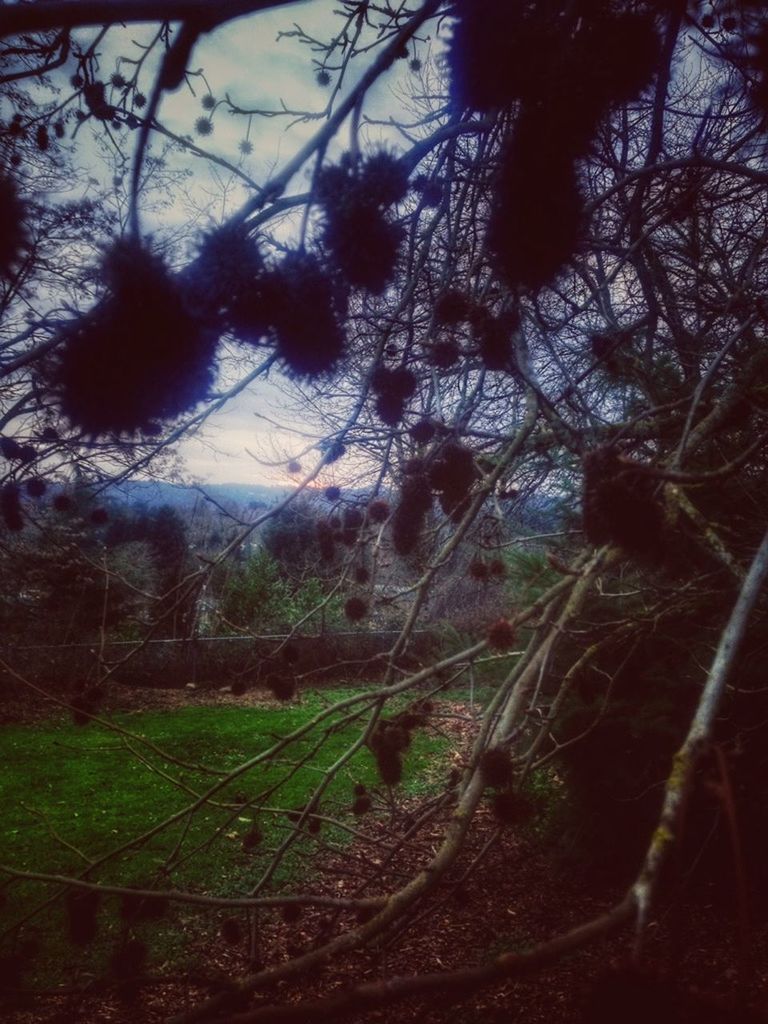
(139, 355)
(614, 59)
(293, 467)
(335, 451)
(501, 635)
(495, 767)
(510, 808)
(413, 467)
(222, 285)
(283, 687)
(95, 100)
(537, 212)
(452, 474)
(430, 190)
(384, 178)
(362, 575)
(444, 354)
(291, 912)
(322, 78)
(601, 345)
(619, 506)
(10, 507)
(359, 237)
(390, 409)
(394, 387)
(304, 308)
(353, 519)
(494, 340)
(390, 736)
(607, 350)
(411, 720)
(355, 609)
(337, 180)
(99, 516)
(27, 453)
(399, 381)
(252, 838)
(390, 766)
(361, 805)
(62, 502)
(478, 570)
(82, 907)
(333, 493)
(502, 53)
(453, 469)
(231, 931)
(13, 234)
(423, 431)
(36, 487)
(360, 789)
(452, 308)
(50, 434)
(364, 245)
(378, 510)
(128, 959)
(412, 508)
(10, 448)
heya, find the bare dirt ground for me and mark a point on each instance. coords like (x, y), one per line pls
(518, 895)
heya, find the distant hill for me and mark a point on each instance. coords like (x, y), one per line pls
(154, 493)
(537, 512)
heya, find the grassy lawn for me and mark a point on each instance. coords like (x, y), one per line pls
(70, 794)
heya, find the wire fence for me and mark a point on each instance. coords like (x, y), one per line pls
(210, 662)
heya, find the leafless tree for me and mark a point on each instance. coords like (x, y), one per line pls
(549, 288)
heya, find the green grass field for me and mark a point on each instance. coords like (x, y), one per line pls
(70, 795)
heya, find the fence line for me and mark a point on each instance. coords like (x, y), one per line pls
(205, 639)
